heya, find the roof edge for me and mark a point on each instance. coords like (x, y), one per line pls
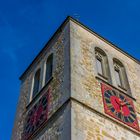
(106, 40)
(59, 29)
(68, 18)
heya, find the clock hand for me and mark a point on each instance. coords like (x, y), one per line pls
(125, 103)
(120, 105)
(121, 109)
(117, 102)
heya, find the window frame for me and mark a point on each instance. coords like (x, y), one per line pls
(100, 68)
(100, 55)
(118, 77)
(51, 75)
(118, 65)
(34, 93)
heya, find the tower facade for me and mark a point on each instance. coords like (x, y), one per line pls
(79, 87)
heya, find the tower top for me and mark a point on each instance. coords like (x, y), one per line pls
(60, 28)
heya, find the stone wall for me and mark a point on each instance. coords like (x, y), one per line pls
(86, 87)
(60, 90)
(58, 128)
(87, 124)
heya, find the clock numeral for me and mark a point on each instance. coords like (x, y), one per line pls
(131, 120)
(126, 119)
(108, 93)
(133, 115)
(109, 105)
(112, 109)
(107, 100)
(122, 118)
(119, 115)
(131, 109)
(115, 113)
(121, 97)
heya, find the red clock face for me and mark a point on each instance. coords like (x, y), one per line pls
(37, 115)
(119, 106)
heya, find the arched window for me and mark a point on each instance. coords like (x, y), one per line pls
(102, 64)
(36, 82)
(120, 75)
(49, 68)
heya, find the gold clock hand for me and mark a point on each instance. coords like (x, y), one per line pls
(120, 106)
(121, 109)
(125, 103)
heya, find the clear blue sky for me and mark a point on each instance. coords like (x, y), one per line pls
(26, 25)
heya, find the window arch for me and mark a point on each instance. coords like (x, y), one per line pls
(49, 68)
(36, 82)
(102, 64)
(120, 74)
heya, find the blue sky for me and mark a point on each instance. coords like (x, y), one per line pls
(26, 25)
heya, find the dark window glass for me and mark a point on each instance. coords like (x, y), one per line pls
(49, 67)
(36, 83)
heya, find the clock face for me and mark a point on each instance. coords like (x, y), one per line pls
(119, 106)
(37, 115)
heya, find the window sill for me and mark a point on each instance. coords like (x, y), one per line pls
(122, 90)
(102, 77)
(38, 94)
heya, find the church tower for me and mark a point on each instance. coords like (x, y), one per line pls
(79, 87)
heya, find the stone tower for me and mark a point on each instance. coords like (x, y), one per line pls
(79, 87)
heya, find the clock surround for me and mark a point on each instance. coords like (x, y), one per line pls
(119, 106)
(37, 115)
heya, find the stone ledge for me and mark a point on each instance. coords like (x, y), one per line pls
(107, 117)
(130, 96)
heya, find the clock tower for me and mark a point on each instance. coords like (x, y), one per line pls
(79, 87)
